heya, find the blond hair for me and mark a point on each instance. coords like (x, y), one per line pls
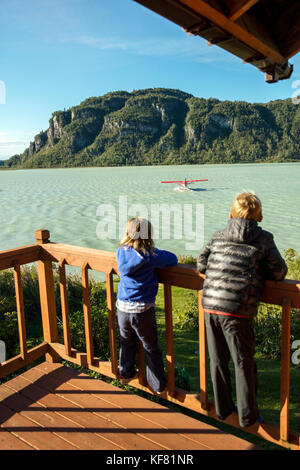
(138, 235)
(247, 206)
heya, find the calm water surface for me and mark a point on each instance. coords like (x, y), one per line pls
(65, 201)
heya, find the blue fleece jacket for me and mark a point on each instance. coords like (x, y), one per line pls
(138, 279)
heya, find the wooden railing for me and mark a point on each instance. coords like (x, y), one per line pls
(285, 293)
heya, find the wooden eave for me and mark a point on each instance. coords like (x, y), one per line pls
(264, 33)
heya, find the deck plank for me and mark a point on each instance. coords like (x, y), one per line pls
(51, 406)
(10, 442)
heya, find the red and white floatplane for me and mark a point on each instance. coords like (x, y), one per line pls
(183, 185)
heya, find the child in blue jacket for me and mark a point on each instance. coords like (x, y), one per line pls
(137, 260)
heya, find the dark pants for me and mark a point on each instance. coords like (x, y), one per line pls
(141, 326)
(231, 336)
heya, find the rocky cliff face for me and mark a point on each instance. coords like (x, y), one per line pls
(161, 126)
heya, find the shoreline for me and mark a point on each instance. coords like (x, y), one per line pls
(266, 162)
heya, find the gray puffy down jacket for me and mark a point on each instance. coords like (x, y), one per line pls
(236, 261)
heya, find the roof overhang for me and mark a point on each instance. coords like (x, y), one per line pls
(264, 33)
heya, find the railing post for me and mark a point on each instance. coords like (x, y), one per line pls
(20, 310)
(87, 314)
(202, 355)
(111, 323)
(47, 297)
(285, 370)
(64, 306)
(169, 340)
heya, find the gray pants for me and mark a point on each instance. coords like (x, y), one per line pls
(141, 326)
(231, 336)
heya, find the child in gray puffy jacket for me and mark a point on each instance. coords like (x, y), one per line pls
(236, 261)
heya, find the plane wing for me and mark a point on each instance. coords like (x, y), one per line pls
(184, 181)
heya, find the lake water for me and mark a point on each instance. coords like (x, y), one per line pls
(65, 201)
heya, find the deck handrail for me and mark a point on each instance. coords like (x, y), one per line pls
(284, 293)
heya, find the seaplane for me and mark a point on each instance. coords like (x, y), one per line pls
(183, 185)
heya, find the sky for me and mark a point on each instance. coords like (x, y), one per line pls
(56, 53)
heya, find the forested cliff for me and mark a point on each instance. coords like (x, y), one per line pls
(164, 126)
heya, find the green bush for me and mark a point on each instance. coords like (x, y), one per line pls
(9, 331)
(267, 327)
(100, 332)
(187, 259)
(293, 263)
(186, 317)
(268, 330)
(8, 315)
(99, 315)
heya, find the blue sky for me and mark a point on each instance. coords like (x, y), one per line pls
(56, 53)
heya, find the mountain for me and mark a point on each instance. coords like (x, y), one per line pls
(164, 126)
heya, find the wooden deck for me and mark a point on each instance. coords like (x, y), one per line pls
(285, 294)
(53, 407)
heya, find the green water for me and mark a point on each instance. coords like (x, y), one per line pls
(65, 201)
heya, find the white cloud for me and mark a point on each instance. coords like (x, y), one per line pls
(14, 143)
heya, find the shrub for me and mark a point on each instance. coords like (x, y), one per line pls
(9, 331)
(186, 317)
(99, 315)
(187, 259)
(100, 332)
(8, 315)
(293, 263)
(268, 330)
